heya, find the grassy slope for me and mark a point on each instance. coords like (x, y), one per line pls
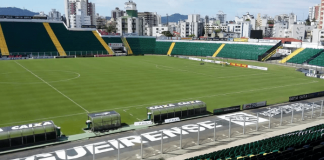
(130, 84)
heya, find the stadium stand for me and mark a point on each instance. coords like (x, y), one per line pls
(32, 38)
(54, 39)
(171, 48)
(297, 51)
(304, 145)
(3, 45)
(140, 46)
(77, 41)
(103, 43)
(127, 46)
(162, 47)
(195, 49)
(304, 55)
(218, 50)
(112, 40)
(318, 61)
(243, 51)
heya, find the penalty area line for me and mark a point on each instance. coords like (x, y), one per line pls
(52, 87)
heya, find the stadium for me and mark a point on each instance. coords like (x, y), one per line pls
(77, 94)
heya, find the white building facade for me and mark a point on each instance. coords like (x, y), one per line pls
(54, 15)
(192, 26)
(79, 13)
(157, 31)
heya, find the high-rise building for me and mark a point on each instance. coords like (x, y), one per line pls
(130, 22)
(117, 13)
(221, 17)
(192, 26)
(314, 12)
(320, 14)
(79, 13)
(54, 15)
(151, 19)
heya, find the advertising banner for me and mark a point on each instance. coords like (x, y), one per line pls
(257, 67)
(227, 110)
(313, 75)
(240, 40)
(195, 59)
(115, 45)
(26, 126)
(180, 104)
(143, 123)
(171, 120)
(186, 38)
(254, 105)
(239, 65)
(306, 96)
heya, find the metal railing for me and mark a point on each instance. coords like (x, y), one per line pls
(215, 129)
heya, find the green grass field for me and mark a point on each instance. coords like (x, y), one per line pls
(64, 90)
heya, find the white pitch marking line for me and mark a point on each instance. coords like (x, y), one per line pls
(172, 101)
(138, 119)
(52, 87)
(70, 115)
(131, 115)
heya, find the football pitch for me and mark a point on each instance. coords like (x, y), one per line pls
(65, 90)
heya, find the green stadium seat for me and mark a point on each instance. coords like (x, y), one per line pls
(22, 37)
(195, 49)
(304, 55)
(318, 61)
(143, 45)
(77, 42)
(162, 48)
(112, 40)
(243, 51)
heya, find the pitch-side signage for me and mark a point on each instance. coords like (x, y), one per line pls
(254, 105)
(257, 67)
(174, 105)
(143, 123)
(26, 126)
(306, 96)
(115, 45)
(171, 120)
(239, 65)
(227, 110)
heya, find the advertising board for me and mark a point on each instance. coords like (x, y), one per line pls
(254, 105)
(26, 126)
(143, 123)
(171, 120)
(115, 45)
(240, 40)
(257, 67)
(180, 104)
(227, 110)
(239, 65)
(313, 75)
(306, 96)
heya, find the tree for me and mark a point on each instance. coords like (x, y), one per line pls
(111, 29)
(308, 22)
(167, 33)
(218, 30)
(192, 35)
(314, 20)
(270, 22)
(247, 20)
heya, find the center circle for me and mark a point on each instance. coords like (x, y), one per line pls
(50, 76)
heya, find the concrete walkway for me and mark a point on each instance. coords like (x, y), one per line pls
(252, 137)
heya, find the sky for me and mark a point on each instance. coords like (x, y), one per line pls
(203, 7)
